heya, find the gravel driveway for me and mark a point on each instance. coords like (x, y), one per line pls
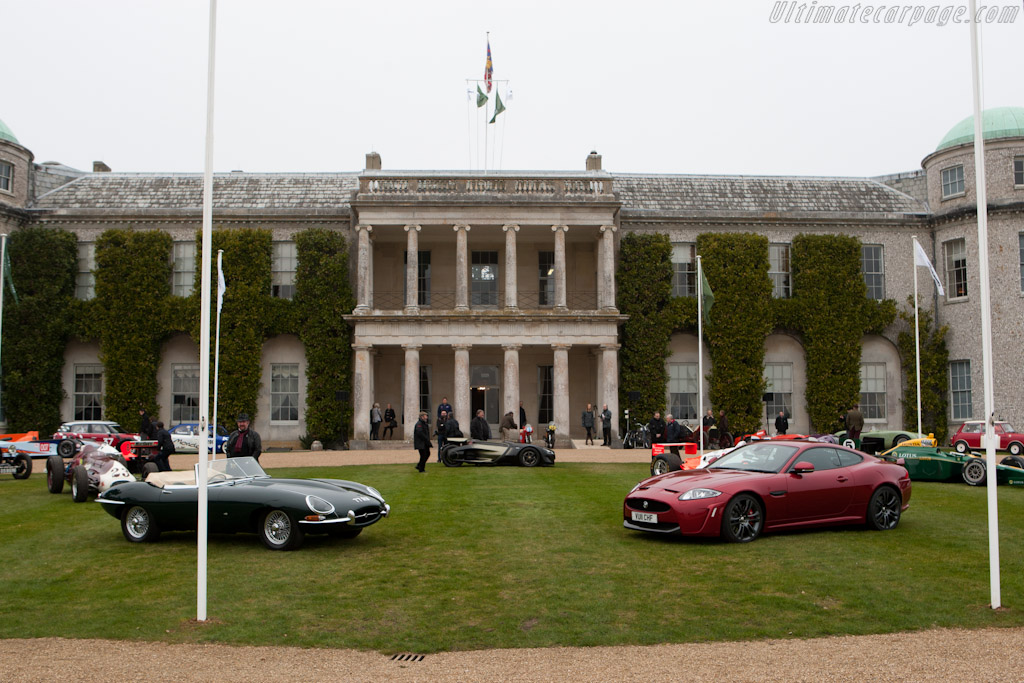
(937, 655)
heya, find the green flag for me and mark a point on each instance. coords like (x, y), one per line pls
(481, 98)
(8, 278)
(498, 106)
(707, 297)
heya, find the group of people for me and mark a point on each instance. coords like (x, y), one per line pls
(588, 421)
(244, 442)
(671, 431)
(387, 418)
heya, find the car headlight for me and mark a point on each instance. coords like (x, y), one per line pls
(698, 494)
(319, 505)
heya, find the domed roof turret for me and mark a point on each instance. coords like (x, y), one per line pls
(1000, 122)
(6, 134)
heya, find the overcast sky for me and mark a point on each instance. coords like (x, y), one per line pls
(657, 87)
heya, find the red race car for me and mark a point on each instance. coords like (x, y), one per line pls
(96, 430)
(771, 485)
(968, 437)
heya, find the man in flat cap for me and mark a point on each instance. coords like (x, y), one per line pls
(244, 442)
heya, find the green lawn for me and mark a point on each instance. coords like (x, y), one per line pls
(502, 557)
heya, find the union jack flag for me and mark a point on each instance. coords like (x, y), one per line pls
(488, 68)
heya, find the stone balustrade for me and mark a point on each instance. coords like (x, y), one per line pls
(515, 186)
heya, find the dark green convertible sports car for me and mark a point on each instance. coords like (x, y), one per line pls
(244, 498)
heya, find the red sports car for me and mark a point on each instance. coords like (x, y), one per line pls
(968, 437)
(771, 485)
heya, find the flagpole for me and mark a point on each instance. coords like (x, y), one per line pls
(986, 310)
(204, 327)
(700, 358)
(216, 355)
(3, 285)
(917, 342)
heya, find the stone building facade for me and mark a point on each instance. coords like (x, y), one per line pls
(491, 289)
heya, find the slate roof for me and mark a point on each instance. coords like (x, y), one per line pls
(261, 191)
(641, 194)
(683, 194)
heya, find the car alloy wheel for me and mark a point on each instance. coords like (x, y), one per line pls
(528, 457)
(960, 446)
(974, 472)
(743, 519)
(884, 509)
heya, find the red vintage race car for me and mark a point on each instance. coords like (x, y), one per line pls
(93, 469)
(103, 431)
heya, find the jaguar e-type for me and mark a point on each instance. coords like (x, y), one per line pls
(771, 485)
(243, 498)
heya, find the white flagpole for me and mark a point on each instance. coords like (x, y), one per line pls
(700, 358)
(917, 340)
(3, 282)
(204, 326)
(986, 311)
(216, 354)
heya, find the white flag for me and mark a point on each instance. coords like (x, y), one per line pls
(921, 259)
(221, 286)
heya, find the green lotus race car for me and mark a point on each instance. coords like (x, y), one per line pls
(931, 463)
(876, 441)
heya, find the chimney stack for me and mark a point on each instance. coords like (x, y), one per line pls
(100, 167)
(593, 161)
(372, 161)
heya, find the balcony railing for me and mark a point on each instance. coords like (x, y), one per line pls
(444, 300)
(487, 186)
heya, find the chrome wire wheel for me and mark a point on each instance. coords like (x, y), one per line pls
(885, 509)
(137, 523)
(277, 528)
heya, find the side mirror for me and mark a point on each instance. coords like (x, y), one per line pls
(803, 467)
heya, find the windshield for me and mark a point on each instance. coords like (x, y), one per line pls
(116, 429)
(226, 469)
(1006, 427)
(756, 457)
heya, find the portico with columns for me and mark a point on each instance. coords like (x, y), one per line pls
(488, 290)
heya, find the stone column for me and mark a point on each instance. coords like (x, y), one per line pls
(364, 272)
(412, 269)
(561, 393)
(609, 374)
(362, 388)
(461, 267)
(606, 271)
(511, 380)
(412, 388)
(462, 395)
(560, 231)
(511, 300)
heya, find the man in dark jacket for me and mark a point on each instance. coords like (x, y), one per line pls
(163, 437)
(444, 406)
(673, 432)
(421, 441)
(781, 423)
(606, 425)
(508, 427)
(657, 428)
(147, 431)
(244, 442)
(724, 438)
(479, 430)
(854, 423)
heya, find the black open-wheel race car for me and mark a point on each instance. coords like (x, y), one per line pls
(462, 450)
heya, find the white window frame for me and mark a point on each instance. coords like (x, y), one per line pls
(778, 381)
(878, 275)
(85, 278)
(184, 392)
(873, 392)
(426, 381)
(953, 182)
(684, 269)
(1018, 172)
(284, 389)
(954, 256)
(87, 373)
(183, 268)
(682, 390)
(780, 270)
(961, 401)
(283, 264)
(6, 177)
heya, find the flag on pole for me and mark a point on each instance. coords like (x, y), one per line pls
(221, 286)
(481, 98)
(488, 69)
(921, 259)
(707, 297)
(498, 107)
(8, 277)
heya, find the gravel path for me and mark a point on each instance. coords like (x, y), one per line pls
(937, 655)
